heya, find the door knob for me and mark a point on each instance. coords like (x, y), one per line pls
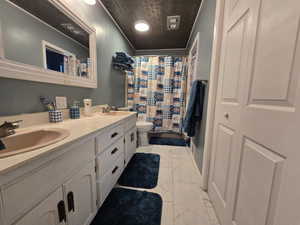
(226, 115)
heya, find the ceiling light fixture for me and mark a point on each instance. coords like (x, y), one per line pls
(141, 26)
(90, 2)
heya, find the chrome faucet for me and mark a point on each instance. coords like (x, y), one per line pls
(109, 108)
(8, 128)
(106, 109)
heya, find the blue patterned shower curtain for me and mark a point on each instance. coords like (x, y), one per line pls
(156, 90)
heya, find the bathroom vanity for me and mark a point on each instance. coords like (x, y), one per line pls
(67, 182)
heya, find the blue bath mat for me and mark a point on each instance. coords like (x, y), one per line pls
(141, 172)
(168, 141)
(130, 207)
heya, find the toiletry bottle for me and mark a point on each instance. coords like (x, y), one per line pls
(78, 68)
(87, 107)
(66, 64)
(89, 67)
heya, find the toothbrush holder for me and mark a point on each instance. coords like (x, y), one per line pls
(75, 112)
(55, 116)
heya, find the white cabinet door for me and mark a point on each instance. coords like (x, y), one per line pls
(254, 175)
(80, 196)
(130, 144)
(47, 212)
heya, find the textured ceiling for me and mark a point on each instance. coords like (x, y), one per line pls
(155, 12)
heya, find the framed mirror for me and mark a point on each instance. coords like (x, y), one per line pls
(46, 41)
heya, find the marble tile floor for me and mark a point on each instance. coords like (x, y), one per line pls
(184, 202)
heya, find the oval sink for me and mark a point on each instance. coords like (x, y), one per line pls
(29, 141)
(116, 113)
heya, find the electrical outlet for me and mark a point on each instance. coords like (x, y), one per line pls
(61, 102)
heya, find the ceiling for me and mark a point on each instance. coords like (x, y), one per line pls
(47, 12)
(155, 12)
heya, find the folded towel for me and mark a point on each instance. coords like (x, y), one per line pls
(121, 57)
(195, 108)
(121, 66)
(122, 61)
(124, 56)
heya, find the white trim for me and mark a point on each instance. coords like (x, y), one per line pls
(194, 24)
(1, 43)
(16, 70)
(195, 47)
(62, 51)
(43, 22)
(20, 71)
(191, 77)
(212, 95)
(138, 52)
(117, 25)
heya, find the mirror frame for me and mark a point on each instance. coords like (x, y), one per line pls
(16, 70)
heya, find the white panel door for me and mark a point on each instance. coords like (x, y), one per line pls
(227, 138)
(47, 212)
(255, 173)
(80, 196)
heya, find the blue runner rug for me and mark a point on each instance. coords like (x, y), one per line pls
(130, 207)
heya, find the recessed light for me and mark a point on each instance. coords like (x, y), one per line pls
(90, 2)
(77, 32)
(141, 26)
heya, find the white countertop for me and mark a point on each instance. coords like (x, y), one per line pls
(78, 128)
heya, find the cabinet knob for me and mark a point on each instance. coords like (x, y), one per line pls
(114, 151)
(62, 211)
(71, 205)
(115, 169)
(226, 115)
(114, 134)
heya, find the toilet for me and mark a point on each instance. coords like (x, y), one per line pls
(143, 128)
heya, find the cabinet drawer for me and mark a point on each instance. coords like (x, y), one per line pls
(109, 136)
(131, 123)
(106, 159)
(24, 193)
(107, 182)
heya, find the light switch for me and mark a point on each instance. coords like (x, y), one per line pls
(61, 102)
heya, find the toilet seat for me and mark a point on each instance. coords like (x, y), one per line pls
(144, 126)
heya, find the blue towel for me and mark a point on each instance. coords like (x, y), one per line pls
(195, 108)
(122, 61)
(123, 57)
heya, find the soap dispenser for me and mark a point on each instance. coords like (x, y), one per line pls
(87, 107)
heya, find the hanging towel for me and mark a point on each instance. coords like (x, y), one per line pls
(195, 108)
